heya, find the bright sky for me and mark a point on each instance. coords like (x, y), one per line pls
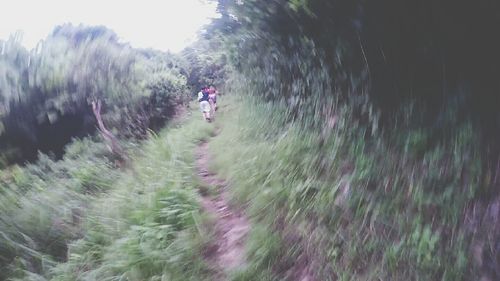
(160, 24)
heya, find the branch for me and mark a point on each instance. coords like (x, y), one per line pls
(108, 136)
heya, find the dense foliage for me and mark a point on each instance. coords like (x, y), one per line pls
(80, 218)
(45, 99)
(383, 131)
(363, 139)
(46, 92)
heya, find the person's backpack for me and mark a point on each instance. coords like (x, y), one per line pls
(204, 97)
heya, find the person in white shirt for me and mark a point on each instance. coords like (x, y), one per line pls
(203, 98)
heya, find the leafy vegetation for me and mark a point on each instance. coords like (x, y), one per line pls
(148, 226)
(363, 143)
(48, 91)
(372, 142)
(361, 211)
(43, 204)
(103, 223)
(70, 212)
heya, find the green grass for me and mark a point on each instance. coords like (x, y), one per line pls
(148, 227)
(141, 223)
(365, 208)
(41, 206)
(355, 207)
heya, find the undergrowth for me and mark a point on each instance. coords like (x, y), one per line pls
(99, 223)
(363, 205)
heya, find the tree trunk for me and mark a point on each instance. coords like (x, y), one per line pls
(113, 144)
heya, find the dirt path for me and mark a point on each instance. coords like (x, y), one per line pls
(227, 250)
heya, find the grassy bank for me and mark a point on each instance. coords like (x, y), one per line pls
(326, 201)
(348, 206)
(141, 223)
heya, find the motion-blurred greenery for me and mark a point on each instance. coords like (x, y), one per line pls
(363, 141)
(46, 92)
(80, 218)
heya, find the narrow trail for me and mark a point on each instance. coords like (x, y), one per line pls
(227, 250)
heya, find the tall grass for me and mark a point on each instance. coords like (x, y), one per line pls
(349, 206)
(146, 229)
(41, 206)
(324, 198)
(143, 224)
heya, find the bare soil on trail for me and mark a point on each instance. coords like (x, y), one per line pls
(227, 250)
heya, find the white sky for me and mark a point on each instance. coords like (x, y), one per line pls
(160, 24)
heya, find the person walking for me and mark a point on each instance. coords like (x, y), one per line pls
(203, 99)
(212, 98)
